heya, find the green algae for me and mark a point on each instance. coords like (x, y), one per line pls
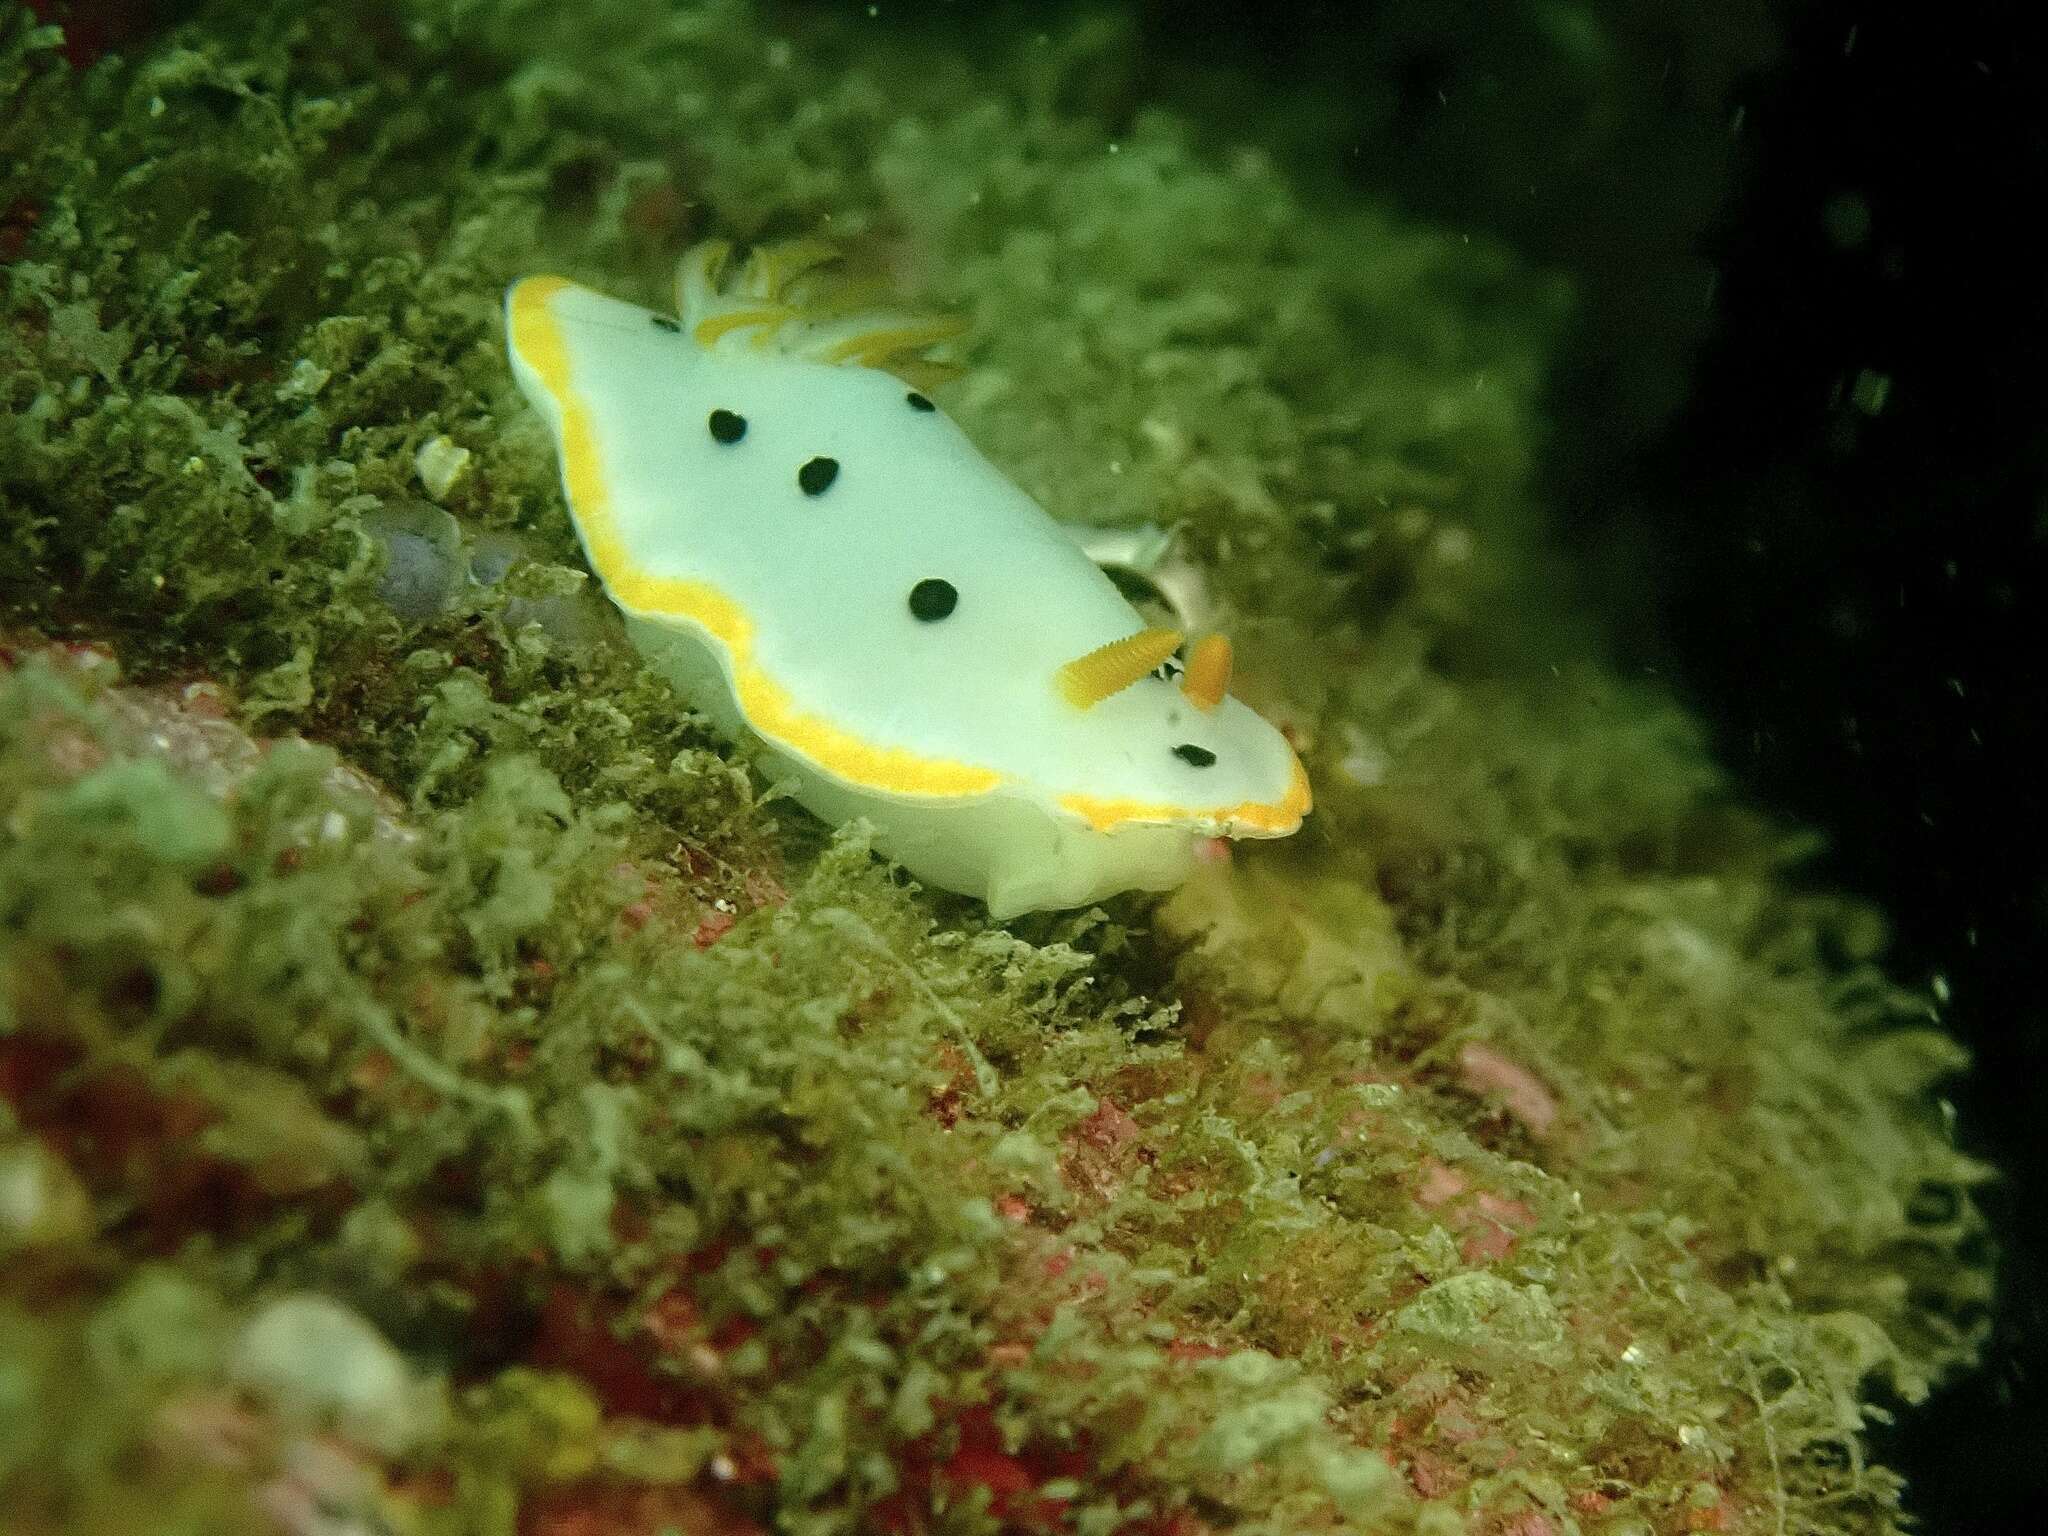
(165, 819)
(1514, 1149)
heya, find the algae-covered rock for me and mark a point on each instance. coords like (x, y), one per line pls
(446, 1089)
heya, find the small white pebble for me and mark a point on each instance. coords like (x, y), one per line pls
(314, 1358)
(307, 379)
(440, 463)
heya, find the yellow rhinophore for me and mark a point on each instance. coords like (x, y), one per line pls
(1208, 678)
(1108, 669)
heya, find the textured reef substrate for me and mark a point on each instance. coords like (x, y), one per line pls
(444, 1089)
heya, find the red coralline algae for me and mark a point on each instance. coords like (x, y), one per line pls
(1433, 1476)
(1489, 1074)
(1439, 1184)
(976, 1466)
(1495, 1223)
(578, 1333)
(601, 1508)
(1108, 1127)
(712, 928)
(1488, 1223)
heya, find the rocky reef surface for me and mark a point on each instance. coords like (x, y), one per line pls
(445, 1089)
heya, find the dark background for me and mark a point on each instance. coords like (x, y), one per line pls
(1802, 454)
(1801, 447)
(1854, 594)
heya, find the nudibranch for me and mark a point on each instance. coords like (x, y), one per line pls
(819, 558)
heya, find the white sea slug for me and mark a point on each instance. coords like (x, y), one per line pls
(820, 559)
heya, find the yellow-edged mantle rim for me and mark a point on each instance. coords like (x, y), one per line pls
(765, 704)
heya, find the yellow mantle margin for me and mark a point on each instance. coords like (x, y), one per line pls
(766, 705)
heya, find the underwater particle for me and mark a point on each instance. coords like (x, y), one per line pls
(1022, 754)
(1870, 391)
(439, 463)
(726, 426)
(313, 1358)
(1846, 218)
